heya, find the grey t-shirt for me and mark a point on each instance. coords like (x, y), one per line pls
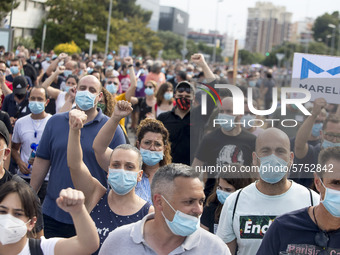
(129, 239)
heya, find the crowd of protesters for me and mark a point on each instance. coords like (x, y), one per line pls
(71, 182)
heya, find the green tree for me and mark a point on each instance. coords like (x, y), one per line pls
(321, 28)
(250, 58)
(6, 6)
(70, 20)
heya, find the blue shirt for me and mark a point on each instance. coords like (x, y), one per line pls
(53, 147)
(143, 189)
(106, 220)
(12, 108)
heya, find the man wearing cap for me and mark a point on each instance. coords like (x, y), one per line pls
(27, 131)
(52, 154)
(16, 69)
(16, 104)
(4, 153)
(182, 124)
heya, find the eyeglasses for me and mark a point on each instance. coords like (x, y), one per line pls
(183, 89)
(321, 239)
(333, 137)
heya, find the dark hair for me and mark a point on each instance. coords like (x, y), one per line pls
(39, 87)
(72, 76)
(155, 126)
(237, 183)
(326, 155)
(160, 93)
(26, 194)
(182, 75)
(110, 102)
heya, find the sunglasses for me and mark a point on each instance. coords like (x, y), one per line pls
(110, 82)
(148, 87)
(183, 89)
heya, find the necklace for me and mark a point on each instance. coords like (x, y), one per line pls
(36, 127)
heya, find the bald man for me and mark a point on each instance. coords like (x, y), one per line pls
(52, 154)
(228, 144)
(248, 213)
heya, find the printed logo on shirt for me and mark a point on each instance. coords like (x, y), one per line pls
(309, 249)
(230, 154)
(255, 226)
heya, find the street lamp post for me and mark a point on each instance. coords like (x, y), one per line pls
(333, 37)
(327, 37)
(108, 29)
(215, 35)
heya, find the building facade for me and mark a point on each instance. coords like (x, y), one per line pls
(151, 5)
(267, 26)
(173, 19)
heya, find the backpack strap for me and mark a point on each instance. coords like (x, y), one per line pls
(237, 197)
(311, 197)
(35, 248)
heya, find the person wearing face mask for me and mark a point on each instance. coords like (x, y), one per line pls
(28, 130)
(222, 189)
(27, 68)
(316, 227)
(165, 101)
(16, 70)
(124, 77)
(228, 144)
(174, 227)
(184, 120)
(52, 153)
(259, 203)
(19, 209)
(329, 134)
(16, 104)
(155, 74)
(35, 62)
(64, 100)
(119, 205)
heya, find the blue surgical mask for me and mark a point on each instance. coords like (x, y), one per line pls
(89, 70)
(47, 59)
(317, 127)
(54, 56)
(163, 70)
(8, 62)
(168, 95)
(112, 88)
(190, 73)
(85, 100)
(327, 144)
(17, 52)
(33, 58)
(140, 84)
(36, 107)
(14, 70)
(272, 168)
(67, 89)
(109, 68)
(128, 71)
(151, 158)
(222, 195)
(230, 121)
(182, 224)
(109, 57)
(149, 91)
(252, 83)
(121, 181)
(169, 77)
(99, 63)
(67, 73)
(331, 201)
(246, 119)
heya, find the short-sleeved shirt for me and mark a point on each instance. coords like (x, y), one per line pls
(6, 177)
(143, 189)
(47, 246)
(208, 217)
(295, 232)
(106, 220)
(53, 147)
(4, 117)
(129, 239)
(16, 110)
(255, 212)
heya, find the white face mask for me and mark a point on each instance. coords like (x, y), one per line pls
(11, 229)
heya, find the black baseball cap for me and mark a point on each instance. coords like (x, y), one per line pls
(19, 85)
(4, 132)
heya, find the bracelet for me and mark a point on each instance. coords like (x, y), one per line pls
(130, 66)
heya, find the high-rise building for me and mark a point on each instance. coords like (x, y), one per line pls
(302, 31)
(151, 5)
(173, 19)
(267, 26)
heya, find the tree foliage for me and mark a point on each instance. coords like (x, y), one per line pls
(6, 6)
(70, 20)
(321, 28)
(250, 58)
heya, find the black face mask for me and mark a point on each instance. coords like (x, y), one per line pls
(20, 96)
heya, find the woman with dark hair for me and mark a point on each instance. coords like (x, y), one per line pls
(64, 100)
(165, 101)
(214, 203)
(153, 143)
(18, 210)
(147, 103)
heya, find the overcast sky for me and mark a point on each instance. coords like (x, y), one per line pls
(232, 14)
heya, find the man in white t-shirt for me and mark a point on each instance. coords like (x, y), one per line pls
(248, 213)
(28, 131)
